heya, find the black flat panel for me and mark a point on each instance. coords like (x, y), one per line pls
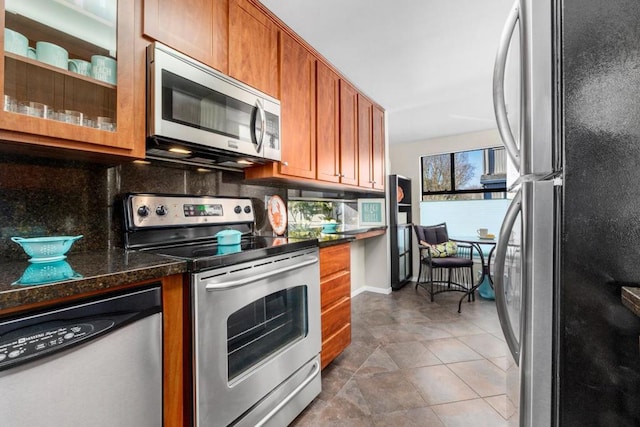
(599, 352)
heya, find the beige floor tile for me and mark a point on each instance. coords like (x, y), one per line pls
(411, 355)
(482, 376)
(451, 350)
(394, 368)
(378, 362)
(438, 384)
(389, 392)
(386, 334)
(460, 328)
(428, 330)
(476, 413)
(502, 362)
(421, 417)
(502, 405)
(486, 344)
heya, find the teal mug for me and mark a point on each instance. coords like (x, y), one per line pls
(80, 67)
(104, 68)
(15, 42)
(52, 54)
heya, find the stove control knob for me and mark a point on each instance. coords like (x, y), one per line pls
(247, 209)
(144, 211)
(161, 210)
(237, 209)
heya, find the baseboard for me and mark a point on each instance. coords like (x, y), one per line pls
(385, 291)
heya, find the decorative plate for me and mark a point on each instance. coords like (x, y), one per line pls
(277, 214)
(400, 194)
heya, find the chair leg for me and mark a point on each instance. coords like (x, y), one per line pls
(431, 282)
(419, 274)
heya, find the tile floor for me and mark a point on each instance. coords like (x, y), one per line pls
(416, 363)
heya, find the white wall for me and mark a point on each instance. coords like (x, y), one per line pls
(404, 159)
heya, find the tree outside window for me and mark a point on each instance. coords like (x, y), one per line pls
(476, 174)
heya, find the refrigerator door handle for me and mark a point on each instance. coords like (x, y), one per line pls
(499, 102)
(498, 280)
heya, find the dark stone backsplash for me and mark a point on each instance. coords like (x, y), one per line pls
(47, 197)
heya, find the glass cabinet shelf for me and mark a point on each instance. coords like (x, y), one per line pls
(60, 62)
(90, 20)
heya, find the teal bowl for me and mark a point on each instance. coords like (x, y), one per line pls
(329, 228)
(47, 272)
(46, 249)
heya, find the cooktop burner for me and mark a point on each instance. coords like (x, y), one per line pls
(184, 227)
(203, 256)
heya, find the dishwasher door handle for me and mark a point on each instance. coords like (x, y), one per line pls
(251, 278)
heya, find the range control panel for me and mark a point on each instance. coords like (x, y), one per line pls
(158, 211)
(33, 342)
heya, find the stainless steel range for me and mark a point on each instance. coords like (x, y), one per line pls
(255, 306)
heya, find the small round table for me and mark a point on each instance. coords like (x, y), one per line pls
(485, 283)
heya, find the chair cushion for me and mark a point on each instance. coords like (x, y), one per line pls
(432, 234)
(452, 261)
(442, 250)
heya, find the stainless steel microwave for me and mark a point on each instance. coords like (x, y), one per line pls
(197, 115)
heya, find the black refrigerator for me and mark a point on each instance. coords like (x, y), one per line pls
(567, 104)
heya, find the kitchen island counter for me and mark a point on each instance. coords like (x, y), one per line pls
(95, 272)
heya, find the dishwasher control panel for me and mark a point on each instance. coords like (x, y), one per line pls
(30, 342)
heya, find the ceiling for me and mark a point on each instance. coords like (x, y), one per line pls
(429, 63)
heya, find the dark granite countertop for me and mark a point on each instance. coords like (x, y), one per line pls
(345, 236)
(631, 299)
(99, 270)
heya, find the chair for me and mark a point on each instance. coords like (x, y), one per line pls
(444, 272)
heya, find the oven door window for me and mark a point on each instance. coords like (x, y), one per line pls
(264, 327)
(197, 106)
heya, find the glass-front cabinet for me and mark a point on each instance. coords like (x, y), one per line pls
(68, 74)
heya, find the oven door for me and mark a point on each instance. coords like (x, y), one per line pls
(256, 325)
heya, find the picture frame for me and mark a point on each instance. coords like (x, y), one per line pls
(371, 212)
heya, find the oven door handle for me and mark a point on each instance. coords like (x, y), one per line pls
(216, 286)
(314, 373)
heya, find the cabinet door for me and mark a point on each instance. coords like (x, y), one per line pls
(89, 107)
(364, 142)
(328, 131)
(197, 28)
(253, 47)
(348, 134)
(378, 149)
(298, 103)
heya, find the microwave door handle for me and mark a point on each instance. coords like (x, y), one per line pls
(263, 126)
(499, 103)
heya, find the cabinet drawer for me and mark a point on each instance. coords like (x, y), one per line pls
(336, 317)
(332, 347)
(334, 259)
(335, 288)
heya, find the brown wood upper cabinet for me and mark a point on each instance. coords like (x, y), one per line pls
(365, 112)
(378, 149)
(348, 134)
(370, 145)
(253, 47)
(298, 109)
(327, 124)
(197, 28)
(48, 105)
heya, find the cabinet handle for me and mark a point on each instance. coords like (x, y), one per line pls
(285, 163)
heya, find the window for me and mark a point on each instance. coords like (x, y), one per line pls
(476, 174)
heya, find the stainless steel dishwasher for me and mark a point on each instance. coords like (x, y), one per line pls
(96, 363)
